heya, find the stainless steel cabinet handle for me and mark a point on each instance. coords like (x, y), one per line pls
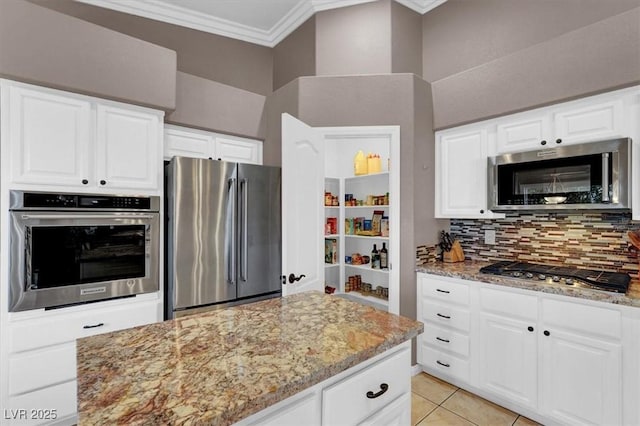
(605, 177)
(244, 251)
(231, 265)
(100, 324)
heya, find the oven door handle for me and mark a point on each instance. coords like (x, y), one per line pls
(86, 216)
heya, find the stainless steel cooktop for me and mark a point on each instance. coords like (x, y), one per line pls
(574, 277)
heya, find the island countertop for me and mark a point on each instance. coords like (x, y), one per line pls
(221, 366)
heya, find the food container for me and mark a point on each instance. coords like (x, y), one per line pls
(360, 164)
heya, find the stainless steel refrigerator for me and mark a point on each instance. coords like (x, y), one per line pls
(223, 234)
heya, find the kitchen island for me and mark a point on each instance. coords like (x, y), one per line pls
(223, 366)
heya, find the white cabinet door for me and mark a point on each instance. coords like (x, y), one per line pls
(461, 174)
(508, 358)
(49, 137)
(302, 206)
(239, 150)
(305, 410)
(581, 379)
(397, 413)
(128, 148)
(523, 132)
(588, 122)
(183, 142)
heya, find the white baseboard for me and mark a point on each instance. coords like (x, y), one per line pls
(416, 369)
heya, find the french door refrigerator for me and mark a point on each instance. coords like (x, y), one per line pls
(223, 234)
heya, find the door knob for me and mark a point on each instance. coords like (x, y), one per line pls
(293, 278)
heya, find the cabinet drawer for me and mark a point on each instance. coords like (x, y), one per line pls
(445, 339)
(40, 368)
(445, 363)
(508, 303)
(445, 290)
(446, 315)
(44, 406)
(60, 327)
(346, 403)
(587, 319)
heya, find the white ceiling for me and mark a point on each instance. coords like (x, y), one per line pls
(264, 22)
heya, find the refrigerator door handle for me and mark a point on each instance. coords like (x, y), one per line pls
(244, 253)
(231, 265)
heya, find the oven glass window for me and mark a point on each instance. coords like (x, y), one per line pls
(68, 255)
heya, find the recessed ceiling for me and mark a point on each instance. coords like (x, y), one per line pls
(264, 22)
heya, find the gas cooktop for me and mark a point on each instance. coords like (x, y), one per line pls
(574, 277)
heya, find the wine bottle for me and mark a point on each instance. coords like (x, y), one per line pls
(375, 258)
(384, 257)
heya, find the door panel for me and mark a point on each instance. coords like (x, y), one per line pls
(260, 231)
(201, 223)
(302, 206)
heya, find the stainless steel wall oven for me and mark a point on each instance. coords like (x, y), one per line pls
(75, 248)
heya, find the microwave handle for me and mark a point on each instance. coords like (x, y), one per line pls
(605, 177)
(86, 216)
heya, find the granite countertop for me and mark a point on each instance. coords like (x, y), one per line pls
(221, 366)
(470, 270)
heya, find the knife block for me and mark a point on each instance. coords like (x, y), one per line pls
(455, 254)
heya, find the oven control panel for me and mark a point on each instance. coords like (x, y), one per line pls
(55, 201)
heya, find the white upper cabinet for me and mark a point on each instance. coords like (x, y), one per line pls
(66, 141)
(586, 120)
(461, 173)
(128, 148)
(48, 136)
(186, 142)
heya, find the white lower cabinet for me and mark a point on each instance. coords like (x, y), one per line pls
(39, 351)
(556, 359)
(375, 392)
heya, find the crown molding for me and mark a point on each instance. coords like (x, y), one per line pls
(177, 15)
(421, 6)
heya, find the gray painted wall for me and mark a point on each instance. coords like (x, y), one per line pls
(210, 105)
(596, 58)
(354, 39)
(461, 34)
(44, 47)
(228, 61)
(295, 56)
(406, 40)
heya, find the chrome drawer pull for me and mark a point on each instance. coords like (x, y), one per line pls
(443, 291)
(383, 388)
(443, 364)
(443, 316)
(94, 325)
(442, 340)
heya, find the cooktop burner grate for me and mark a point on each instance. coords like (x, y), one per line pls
(587, 278)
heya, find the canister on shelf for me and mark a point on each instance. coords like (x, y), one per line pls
(360, 164)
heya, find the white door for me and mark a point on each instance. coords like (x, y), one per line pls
(49, 137)
(128, 148)
(302, 207)
(185, 142)
(508, 358)
(581, 379)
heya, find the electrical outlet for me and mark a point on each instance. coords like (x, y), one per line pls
(490, 236)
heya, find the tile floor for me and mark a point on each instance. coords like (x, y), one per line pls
(437, 403)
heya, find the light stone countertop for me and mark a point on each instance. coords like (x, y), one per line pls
(470, 270)
(221, 366)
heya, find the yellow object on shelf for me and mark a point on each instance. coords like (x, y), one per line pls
(360, 164)
(374, 165)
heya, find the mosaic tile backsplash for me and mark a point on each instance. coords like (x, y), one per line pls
(587, 240)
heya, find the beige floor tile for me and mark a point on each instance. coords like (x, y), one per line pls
(523, 421)
(442, 417)
(420, 407)
(435, 390)
(478, 410)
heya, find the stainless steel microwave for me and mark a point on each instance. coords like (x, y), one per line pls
(593, 175)
(76, 248)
